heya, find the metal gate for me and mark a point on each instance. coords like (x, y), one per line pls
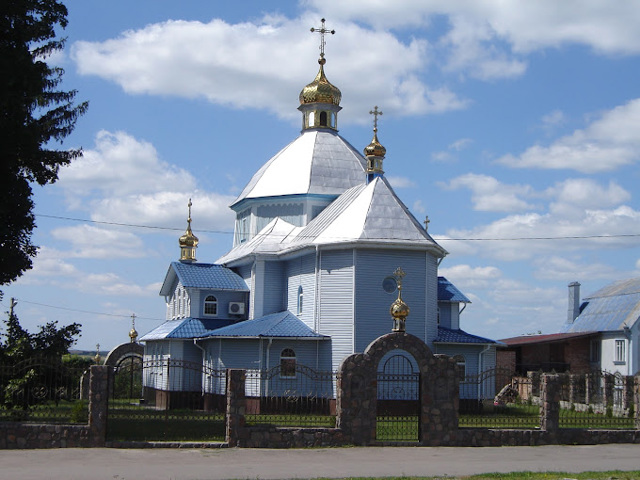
(398, 406)
(166, 400)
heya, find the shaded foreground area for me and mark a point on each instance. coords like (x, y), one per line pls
(371, 462)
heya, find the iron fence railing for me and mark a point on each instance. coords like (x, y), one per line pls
(295, 396)
(42, 390)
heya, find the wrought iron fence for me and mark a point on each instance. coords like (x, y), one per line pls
(291, 396)
(42, 390)
(597, 399)
(497, 399)
(165, 399)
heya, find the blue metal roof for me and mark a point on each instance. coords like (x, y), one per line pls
(609, 309)
(185, 328)
(204, 275)
(447, 292)
(447, 335)
(281, 324)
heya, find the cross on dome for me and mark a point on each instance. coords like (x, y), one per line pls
(375, 112)
(322, 31)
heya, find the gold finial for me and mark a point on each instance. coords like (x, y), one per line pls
(322, 31)
(97, 358)
(399, 310)
(426, 223)
(133, 334)
(374, 152)
(188, 242)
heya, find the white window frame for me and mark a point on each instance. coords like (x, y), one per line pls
(208, 302)
(619, 352)
(287, 359)
(300, 300)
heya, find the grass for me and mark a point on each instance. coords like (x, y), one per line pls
(64, 411)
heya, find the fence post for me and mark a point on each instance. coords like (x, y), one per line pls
(636, 389)
(550, 402)
(627, 393)
(98, 404)
(236, 405)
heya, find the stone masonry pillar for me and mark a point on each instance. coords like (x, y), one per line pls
(551, 386)
(636, 398)
(236, 406)
(98, 404)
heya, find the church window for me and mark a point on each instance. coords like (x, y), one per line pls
(311, 119)
(287, 363)
(300, 299)
(211, 305)
(461, 362)
(323, 119)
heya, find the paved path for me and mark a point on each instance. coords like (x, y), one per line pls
(183, 464)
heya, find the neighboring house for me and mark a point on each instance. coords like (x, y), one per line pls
(319, 236)
(601, 333)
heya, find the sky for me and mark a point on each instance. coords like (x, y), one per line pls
(513, 125)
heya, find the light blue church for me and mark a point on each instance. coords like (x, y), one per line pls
(319, 233)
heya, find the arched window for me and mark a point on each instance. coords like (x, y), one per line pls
(211, 305)
(300, 300)
(462, 366)
(287, 363)
(323, 119)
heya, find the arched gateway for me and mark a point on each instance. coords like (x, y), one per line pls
(436, 386)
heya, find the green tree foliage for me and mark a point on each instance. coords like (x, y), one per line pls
(33, 114)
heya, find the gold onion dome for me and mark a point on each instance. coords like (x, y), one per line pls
(399, 310)
(188, 239)
(320, 90)
(375, 149)
(133, 334)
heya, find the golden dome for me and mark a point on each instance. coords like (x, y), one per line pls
(188, 239)
(133, 334)
(320, 90)
(399, 309)
(375, 149)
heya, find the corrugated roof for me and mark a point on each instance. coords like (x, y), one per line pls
(317, 162)
(447, 292)
(185, 328)
(611, 308)
(203, 275)
(550, 338)
(447, 335)
(281, 324)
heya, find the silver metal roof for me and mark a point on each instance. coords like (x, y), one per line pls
(317, 162)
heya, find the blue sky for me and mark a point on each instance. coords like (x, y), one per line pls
(512, 125)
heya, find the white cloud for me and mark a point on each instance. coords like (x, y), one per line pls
(488, 194)
(606, 144)
(401, 182)
(572, 269)
(48, 267)
(418, 207)
(575, 195)
(553, 119)
(244, 65)
(88, 241)
(607, 27)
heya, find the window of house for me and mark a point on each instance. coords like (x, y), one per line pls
(300, 300)
(595, 350)
(211, 305)
(461, 362)
(620, 352)
(287, 363)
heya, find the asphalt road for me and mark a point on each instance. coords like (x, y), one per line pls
(233, 463)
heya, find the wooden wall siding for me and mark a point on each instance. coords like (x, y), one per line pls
(372, 318)
(274, 291)
(470, 353)
(444, 311)
(336, 302)
(431, 294)
(223, 298)
(301, 272)
(290, 212)
(307, 353)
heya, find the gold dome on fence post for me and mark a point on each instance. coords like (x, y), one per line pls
(399, 310)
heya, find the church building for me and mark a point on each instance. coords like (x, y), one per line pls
(322, 247)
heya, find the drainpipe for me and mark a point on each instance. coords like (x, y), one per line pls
(204, 358)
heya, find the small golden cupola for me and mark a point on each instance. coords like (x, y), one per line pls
(188, 242)
(399, 310)
(320, 100)
(374, 152)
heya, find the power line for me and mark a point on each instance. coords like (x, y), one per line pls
(86, 311)
(455, 239)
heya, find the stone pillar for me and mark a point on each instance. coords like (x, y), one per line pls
(356, 400)
(574, 380)
(627, 392)
(534, 381)
(636, 396)
(98, 404)
(236, 406)
(550, 402)
(609, 385)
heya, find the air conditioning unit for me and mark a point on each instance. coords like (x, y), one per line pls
(236, 308)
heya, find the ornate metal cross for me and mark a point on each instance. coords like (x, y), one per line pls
(375, 112)
(322, 30)
(399, 274)
(426, 223)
